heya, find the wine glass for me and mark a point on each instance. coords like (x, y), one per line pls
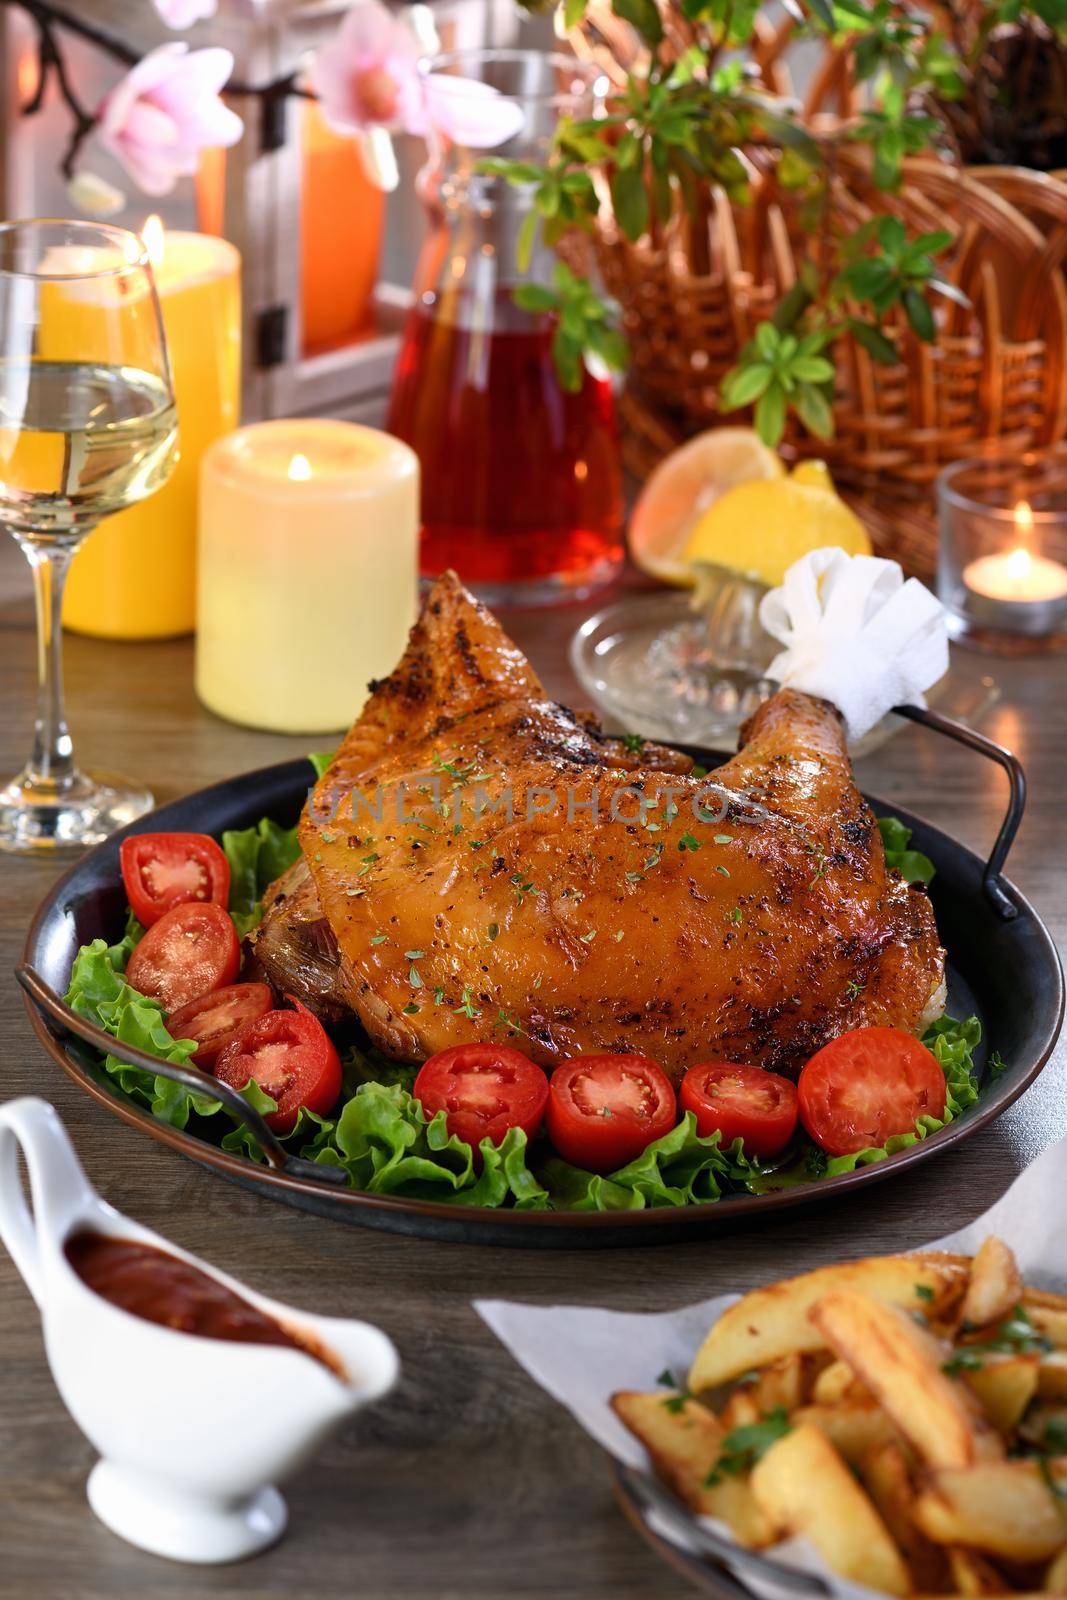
(87, 426)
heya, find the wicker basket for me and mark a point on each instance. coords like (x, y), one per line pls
(997, 371)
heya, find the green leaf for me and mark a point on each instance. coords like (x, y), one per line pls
(919, 314)
(629, 198)
(320, 760)
(874, 341)
(912, 865)
(681, 1168)
(535, 297)
(823, 12)
(610, 345)
(743, 384)
(644, 15)
(814, 411)
(99, 992)
(744, 1446)
(257, 856)
(524, 244)
(770, 415)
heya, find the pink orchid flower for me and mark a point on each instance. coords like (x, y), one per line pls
(369, 76)
(165, 111)
(184, 13)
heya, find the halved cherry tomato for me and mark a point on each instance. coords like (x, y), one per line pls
(214, 1020)
(603, 1110)
(483, 1089)
(291, 1056)
(191, 951)
(741, 1102)
(164, 870)
(860, 1089)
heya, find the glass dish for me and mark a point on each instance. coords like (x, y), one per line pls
(656, 667)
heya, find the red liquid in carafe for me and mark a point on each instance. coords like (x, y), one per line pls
(520, 480)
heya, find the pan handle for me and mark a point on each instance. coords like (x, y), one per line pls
(51, 1006)
(992, 879)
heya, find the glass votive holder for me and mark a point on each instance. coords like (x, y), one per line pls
(1002, 567)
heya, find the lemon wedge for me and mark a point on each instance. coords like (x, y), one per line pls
(760, 529)
(682, 488)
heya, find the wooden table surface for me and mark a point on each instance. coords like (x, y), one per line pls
(468, 1481)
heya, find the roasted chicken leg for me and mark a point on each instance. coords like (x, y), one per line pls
(482, 864)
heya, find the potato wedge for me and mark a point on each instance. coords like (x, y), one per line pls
(773, 1322)
(995, 1287)
(900, 1363)
(837, 1382)
(741, 1410)
(853, 1427)
(684, 1445)
(1003, 1508)
(1056, 1576)
(1052, 1376)
(803, 1486)
(1050, 1323)
(972, 1574)
(1044, 1297)
(1005, 1386)
(884, 1470)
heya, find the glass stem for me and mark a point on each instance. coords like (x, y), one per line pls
(52, 761)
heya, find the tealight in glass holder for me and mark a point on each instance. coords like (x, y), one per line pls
(1002, 572)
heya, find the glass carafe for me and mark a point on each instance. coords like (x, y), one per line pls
(521, 481)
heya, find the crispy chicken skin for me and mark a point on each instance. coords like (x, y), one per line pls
(747, 916)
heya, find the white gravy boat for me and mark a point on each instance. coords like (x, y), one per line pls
(192, 1432)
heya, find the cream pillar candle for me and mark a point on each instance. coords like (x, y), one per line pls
(307, 571)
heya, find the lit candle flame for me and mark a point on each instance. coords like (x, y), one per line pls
(300, 468)
(1018, 564)
(1024, 520)
(152, 237)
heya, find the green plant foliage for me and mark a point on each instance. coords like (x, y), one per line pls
(677, 129)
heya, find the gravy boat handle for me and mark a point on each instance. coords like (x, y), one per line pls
(61, 1192)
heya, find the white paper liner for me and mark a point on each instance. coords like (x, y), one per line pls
(583, 1355)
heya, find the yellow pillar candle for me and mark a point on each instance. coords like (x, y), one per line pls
(307, 573)
(135, 576)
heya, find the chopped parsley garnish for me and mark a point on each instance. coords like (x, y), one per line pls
(924, 1291)
(411, 1009)
(1016, 1336)
(746, 1445)
(632, 742)
(414, 955)
(688, 842)
(414, 977)
(724, 838)
(587, 938)
(493, 929)
(379, 938)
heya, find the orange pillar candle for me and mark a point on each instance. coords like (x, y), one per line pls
(135, 576)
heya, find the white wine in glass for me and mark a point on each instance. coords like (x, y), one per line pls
(87, 426)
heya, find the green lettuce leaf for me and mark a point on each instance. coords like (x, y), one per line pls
(320, 760)
(257, 856)
(387, 1145)
(99, 992)
(681, 1168)
(912, 865)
